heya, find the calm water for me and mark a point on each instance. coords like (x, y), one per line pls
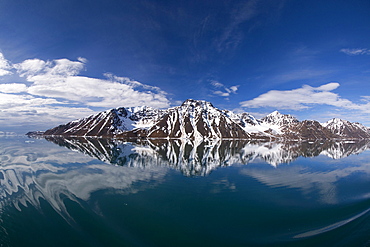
(97, 192)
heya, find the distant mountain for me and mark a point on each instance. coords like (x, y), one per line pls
(347, 129)
(307, 130)
(276, 118)
(198, 119)
(276, 122)
(110, 123)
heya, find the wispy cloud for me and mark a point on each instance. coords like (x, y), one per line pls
(356, 51)
(4, 66)
(304, 98)
(246, 12)
(56, 92)
(216, 83)
(231, 35)
(223, 90)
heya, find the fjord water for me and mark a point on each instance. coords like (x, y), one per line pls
(99, 192)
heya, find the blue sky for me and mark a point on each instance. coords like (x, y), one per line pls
(62, 60)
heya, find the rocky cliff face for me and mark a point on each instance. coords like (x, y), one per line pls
(197, 119)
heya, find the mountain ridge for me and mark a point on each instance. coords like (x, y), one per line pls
(199, 119)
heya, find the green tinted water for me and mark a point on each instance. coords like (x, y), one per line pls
(183, 194)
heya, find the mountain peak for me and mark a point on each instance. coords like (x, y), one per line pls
(275, 113)
(335, 122)
(196, 119)
(197, 103)
(276, 118)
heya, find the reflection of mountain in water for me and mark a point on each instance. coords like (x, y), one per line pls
(37, 174)
(200, 158)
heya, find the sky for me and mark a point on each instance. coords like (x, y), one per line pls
(67, 59)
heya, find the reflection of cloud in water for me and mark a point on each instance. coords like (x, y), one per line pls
(223, 185)
(37, 170)
(34, 171)
(307, 179)
(201, 157)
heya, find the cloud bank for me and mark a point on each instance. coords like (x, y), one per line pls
(304, 98)
(54, 91)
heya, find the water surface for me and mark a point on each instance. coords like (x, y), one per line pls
(101, 192)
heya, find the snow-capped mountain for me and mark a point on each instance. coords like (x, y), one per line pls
(276, 118)
(252, 125)
(347, 129)
(110, 123)
(198, 119)
(275, 122)
(243, 119)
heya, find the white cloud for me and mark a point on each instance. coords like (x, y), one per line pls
(303, 98)
(13, 88)
(133, 83)
(234, 88)
(45, 70)
(59, 79)
(46, 116)
(56, 93)
(10, 101)
(4, 72)
(365, 98)
(82, 59)
(216, 83)
(223, 90)
(328, 87)
(220, 93)
(96, 92)
(4, 66)
(30, 67)
(356, 51)
(24, 109)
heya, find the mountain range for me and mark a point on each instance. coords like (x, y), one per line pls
(198, 119)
